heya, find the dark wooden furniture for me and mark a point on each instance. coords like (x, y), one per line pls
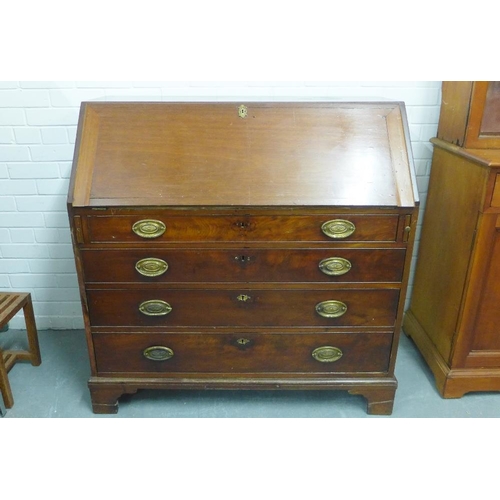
(231, 246)
(454, 312)
(10, 305)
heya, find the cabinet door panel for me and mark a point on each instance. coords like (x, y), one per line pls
(487, 325)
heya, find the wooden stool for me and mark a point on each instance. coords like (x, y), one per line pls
(10, 305)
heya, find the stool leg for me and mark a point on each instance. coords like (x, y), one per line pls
(5, 384)
(34, 347)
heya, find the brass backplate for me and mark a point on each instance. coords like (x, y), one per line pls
(331, 308)
(338, 228)
(151, 267)
(327, 354)
(155, 308)
(335, 266)
(158, 353)
(149, 228)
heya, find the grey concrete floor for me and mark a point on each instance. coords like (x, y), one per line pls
(58, 389)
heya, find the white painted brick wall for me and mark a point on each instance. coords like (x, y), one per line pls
(38, 122)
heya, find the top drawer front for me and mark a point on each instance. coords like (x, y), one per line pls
(163, 229)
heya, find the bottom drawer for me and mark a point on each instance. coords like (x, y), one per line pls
(242, 353)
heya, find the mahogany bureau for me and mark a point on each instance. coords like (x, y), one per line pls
(243, 246)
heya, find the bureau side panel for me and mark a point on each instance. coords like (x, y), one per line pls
(75, 224)
(455, 193)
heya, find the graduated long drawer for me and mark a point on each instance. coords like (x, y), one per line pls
(243, 307)
(228, 353)
(243, 265)
(158, 228)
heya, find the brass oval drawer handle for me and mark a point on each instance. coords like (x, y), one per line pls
(151, 267)
(158, 353)
(335, 266)
(338, 228)
(331, 308)
(149, 228)
(155, 308)
(327, 354)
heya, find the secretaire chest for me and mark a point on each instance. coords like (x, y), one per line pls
(242, 246)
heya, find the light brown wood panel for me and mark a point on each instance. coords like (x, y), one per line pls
(490, 121)
(487, 324)
(470, 114)
(454, 315)
(495, 199)
(187, 154)
(454, 111)
(456, 190)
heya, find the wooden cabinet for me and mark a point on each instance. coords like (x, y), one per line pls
(470, 114)
(230, 246)
(454, 312)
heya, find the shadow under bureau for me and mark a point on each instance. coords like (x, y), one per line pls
(243, 246)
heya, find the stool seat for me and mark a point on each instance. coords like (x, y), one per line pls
(10, 305)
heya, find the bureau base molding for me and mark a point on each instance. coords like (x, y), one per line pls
(378, 392)
(451, 383)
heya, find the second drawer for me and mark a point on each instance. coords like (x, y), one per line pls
(250, 265)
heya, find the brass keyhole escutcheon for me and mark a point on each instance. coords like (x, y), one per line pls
(243, 341)
(243, 298)
(242, 258)
(242, 111)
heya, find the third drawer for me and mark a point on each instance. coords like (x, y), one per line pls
(243, 307)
